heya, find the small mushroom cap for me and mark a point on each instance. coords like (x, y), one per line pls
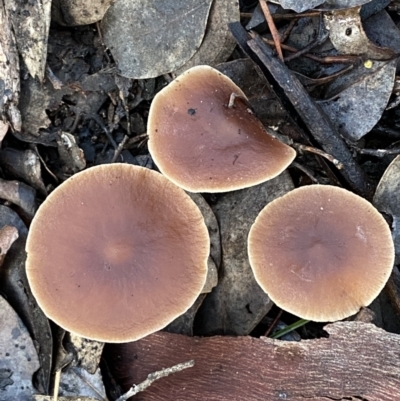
(116, 253)
(203, 145)
(321, 252)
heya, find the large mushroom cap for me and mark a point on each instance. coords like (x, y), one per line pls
(203, 145)
(116, 253)
(321, 252)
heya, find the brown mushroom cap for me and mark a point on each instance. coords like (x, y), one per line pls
(202, 145)
(116, 253)
(321, 252)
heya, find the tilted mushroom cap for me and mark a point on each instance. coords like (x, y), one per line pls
(321, 252)
(117, 252)
(203, 145)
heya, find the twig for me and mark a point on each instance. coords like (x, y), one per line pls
(321, 38)
(56, 82)
(273, 324)
(118, 151)
(319, 152)
(235, 96)
(152, 377)
(102, 42)
(105, 129)
(305, 171)
(133, 141)
(272, 27)
(55, 178)
(57, 379)
(288, 30)
(377, 152)
(323, 60)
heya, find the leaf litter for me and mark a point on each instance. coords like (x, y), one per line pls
(84, 113)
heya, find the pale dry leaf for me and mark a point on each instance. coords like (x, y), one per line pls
(149, 38)
(31, 22)
(218, 42)
(78, 12)
(348, 36)
(18, 357)
(298, 6)
(387, 200)
(356, 109)
(9, 76)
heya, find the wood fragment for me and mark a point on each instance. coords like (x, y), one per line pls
(357, 361)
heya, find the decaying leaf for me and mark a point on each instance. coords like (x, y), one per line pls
(18, 357)
(298, 6)
(348, 36)
(78, 12)
(237, 304)
(77, 381)
(70, 153)
(387, 200)
(14, 285)
(381, 29)
(87, 352)
(149, 38)
(9, 76)
(218, 42)
(19, 194)
(357, 362)
(50, 398)
(24, 165)
(31, 22)
(8, 235)
(358, 107)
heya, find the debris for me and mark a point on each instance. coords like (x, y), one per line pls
(356, 109)
(31, 23)
(18, 357)
(356, 355)
(237, 304)
(8, 234)
(78, 12)
(218, 42)
(149, 38)
(348, 36)
(20, 194)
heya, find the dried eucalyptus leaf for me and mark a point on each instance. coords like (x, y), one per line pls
(387, 200)
(78, 12)
(356, 109)
(218, 42)
(149, 38)
(298, 6)
(348, 36)
(237, 304)
(9, 76)
(14, 285)
(343, 4)
(18, 357)
(31, 22)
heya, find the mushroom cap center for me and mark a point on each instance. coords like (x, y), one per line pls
(118, 253)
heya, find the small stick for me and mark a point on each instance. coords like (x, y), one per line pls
(378, 152)
(273, 324)
(105, 129)
(102, 42)
(319, 152)
(152, 377)
(288, 30)
(322, 60)
(235, 96)
(306, 172)
(321, 38)
(118, 151)
(57, 379)
(272, 28)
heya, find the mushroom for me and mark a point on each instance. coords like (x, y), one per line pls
(204, 137)
(321, 252)
(117, 252)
